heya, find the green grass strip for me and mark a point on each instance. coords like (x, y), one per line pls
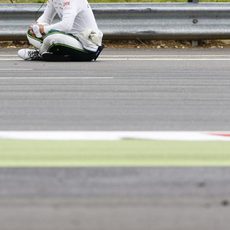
(113, 153)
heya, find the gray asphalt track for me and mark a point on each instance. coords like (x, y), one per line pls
(118, 94)
(177, 92)
(115, 198)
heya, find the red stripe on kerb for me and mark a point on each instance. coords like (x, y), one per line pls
(220, 134)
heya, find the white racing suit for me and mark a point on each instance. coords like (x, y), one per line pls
(76, 33)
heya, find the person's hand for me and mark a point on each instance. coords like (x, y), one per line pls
(31, 30)
(37, 30)
(41, 28)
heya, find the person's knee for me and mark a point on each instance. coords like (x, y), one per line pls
(33, 40)
(60, 39)
(52, 39)
(49, 41)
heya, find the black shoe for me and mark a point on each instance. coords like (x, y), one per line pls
(100, 48)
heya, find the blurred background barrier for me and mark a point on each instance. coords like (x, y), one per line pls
(190, 21)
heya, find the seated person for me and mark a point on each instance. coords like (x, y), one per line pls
(75, 37)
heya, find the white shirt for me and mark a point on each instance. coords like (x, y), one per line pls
(76, 17)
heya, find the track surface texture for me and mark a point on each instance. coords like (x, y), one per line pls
(123, 90)
(115, 198)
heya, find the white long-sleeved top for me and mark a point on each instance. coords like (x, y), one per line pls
(76, 17)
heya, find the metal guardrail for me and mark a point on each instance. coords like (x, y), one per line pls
(144, 21)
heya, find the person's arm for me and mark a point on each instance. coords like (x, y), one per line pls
(48, 15)
(70, 11)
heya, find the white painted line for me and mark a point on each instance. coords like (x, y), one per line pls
(11, 59)
(16, 69)
(8, 55)
(115, 135)
(142, 59)
(163, 55)
(147, 55)
(163, 59)
(55, 78)
(145, 58)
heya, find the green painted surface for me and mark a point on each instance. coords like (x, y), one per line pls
(113, 153)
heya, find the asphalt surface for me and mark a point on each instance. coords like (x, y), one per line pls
(177, 92)
(184, 90)
(115, 198)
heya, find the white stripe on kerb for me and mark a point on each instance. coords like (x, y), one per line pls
(112, 135)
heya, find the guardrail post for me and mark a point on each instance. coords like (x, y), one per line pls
(194, 42)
